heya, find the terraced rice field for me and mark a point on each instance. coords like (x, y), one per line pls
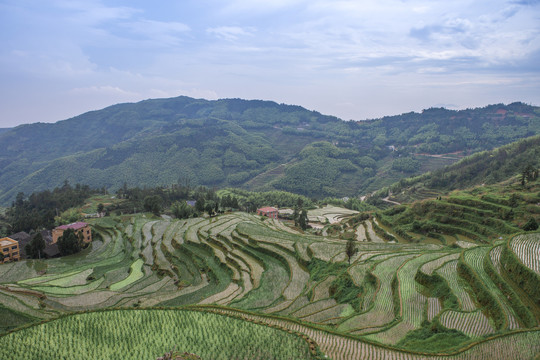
(527, 249)
(330, 214)
(520, 345)
(475, 259)
(111, 335)
(252, 266)
(473, 324)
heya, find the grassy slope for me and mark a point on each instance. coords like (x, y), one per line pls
(487, 167)
(483, 213)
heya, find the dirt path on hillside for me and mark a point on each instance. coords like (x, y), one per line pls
(387, 199)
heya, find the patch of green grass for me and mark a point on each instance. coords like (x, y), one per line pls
(433, 337)
(319, 270)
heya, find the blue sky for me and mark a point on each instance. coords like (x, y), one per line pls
(351, 59)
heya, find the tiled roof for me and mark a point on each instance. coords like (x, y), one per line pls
(7, 241)
(268, 209)
(74, 226)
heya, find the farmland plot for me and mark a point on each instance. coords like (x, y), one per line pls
(521, 345)
(212, 336)
(527, 249)
(475, 258)
(473, 324)
(374, 237)
(412, 302)
(243, 262)
(382, 311)
(449, 272)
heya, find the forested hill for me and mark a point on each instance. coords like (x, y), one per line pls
(484, 168)
(253, 144)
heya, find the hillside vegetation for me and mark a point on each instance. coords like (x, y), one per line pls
(394, 300)
(252, 144)
(483, 168)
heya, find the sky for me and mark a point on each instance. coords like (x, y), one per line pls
(348, 58)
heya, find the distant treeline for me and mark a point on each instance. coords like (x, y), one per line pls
(174, 199)
(41, 210)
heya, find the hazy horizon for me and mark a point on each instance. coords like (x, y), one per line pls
(342, 58)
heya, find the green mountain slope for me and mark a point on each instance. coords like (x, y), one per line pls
(254, 144)
(487, 167)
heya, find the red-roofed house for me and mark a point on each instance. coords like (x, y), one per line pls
(79, 227)
(269, 211)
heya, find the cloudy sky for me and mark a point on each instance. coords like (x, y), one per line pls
(354, 59)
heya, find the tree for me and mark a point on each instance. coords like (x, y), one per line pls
(303, 220)
(100, 208)
(299, 213)
(350, 249)
(210, 207)
(153, 204)
(68, 216)
(35, 247)
(181, 210)
(529, 173)
(531, 225)
(69, 243)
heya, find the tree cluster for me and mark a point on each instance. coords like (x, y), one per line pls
(70, 242)
(38, 211)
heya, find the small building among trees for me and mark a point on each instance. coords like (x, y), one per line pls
(80, 228)
(268, 211)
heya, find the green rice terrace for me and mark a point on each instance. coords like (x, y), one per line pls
(240, 286)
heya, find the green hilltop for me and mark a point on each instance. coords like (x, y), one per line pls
(257, 145)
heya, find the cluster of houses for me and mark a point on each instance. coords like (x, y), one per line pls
(13, 246)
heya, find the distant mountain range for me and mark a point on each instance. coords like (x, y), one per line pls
(258, 145)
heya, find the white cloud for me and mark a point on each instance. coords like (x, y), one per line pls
(94, 12)
(230, 33)
(159, 32)
(103, 90)
(344, 57)
(259, 6)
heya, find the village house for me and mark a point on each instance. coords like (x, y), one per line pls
(79, 227)
(10, 249)
(268, 211)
